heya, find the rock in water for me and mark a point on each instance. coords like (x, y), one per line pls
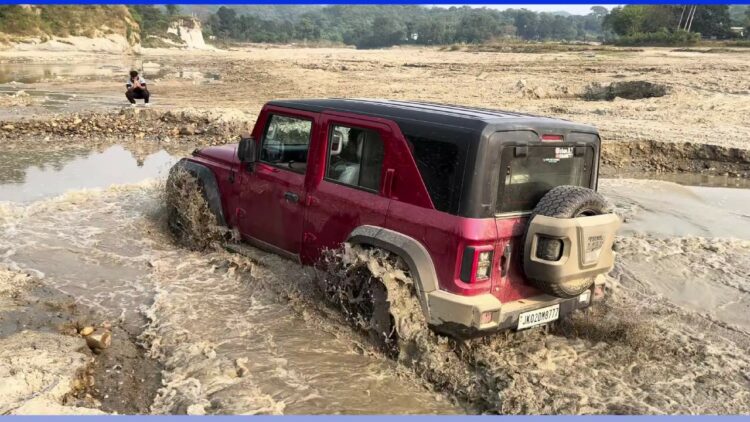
(99, 340)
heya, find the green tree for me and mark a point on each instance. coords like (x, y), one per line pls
(172, 10)
(527, 24)
(599, 11)
(477, 27)
(625, 20)
(712, 21)
(150, 18)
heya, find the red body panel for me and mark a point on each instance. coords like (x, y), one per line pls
(333, 209)
(327, 212)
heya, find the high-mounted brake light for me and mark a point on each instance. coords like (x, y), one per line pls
(476, 264)
(552, 138)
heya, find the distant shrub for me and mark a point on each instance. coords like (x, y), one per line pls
(63, 21)
(18, 20)
(738, 43)
(659, 38)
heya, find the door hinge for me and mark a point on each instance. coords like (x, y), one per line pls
(505, 260)
(388, 182)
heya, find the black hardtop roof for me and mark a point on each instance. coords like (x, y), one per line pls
(432, 113)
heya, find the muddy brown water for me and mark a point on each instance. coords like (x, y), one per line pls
(238, 335)
(90, 227)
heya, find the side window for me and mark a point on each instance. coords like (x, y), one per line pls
(438, 163)
(286, 142)
(355, 157)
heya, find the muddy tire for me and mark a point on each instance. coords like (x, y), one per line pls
(375, 293)
(369, 305)
(566, 202)
(189, 216)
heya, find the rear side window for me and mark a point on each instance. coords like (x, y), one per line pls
(529, 172)
(438, 164)
(286, 142)
(355, 157)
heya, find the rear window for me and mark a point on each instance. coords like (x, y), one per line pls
(529, 172)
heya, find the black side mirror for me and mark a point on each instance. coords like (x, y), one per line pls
(246, 148)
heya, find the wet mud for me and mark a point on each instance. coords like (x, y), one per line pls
(48, 366)
(632, 354)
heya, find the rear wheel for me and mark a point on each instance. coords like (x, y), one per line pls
(566, 202)
(368, 306)
(376, 294)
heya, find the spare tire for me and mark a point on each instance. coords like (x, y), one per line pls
(566, 202)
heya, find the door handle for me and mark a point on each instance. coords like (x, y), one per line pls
(291, 197)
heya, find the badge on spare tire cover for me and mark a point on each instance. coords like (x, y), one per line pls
(593, 248)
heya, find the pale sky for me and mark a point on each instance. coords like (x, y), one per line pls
(575, 9)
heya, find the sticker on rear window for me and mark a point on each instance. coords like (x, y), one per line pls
(563, 153)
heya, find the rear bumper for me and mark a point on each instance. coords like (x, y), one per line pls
(467, 316)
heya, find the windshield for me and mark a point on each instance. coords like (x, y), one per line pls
(528, 173)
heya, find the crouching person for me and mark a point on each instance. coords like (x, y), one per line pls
(137, 89)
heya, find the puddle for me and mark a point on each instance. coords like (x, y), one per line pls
(206, 77)
(51, 174)
(59, 101)
(664, 208)
(39, 83)
(32, 73)
(689, 179)
(689, 244)
(29, 73)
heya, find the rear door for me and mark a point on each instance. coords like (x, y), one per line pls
(528, 172)
(349, 189)
(271, 211)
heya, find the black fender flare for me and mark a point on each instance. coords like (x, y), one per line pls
(413, 253)
(210, 186)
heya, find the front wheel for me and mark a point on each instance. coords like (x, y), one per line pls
(189, 216)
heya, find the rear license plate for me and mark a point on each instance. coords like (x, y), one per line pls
(538, 316)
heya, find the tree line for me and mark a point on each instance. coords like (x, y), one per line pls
(369, 26)
(383, 26)
(707, 20)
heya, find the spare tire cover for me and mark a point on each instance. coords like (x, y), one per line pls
(566, 202)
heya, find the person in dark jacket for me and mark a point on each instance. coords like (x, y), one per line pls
(137, 88)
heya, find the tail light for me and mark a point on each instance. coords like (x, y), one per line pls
(476, 264)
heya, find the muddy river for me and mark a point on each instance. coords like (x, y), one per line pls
(237, 334)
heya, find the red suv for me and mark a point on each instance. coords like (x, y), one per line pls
(495, 213)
